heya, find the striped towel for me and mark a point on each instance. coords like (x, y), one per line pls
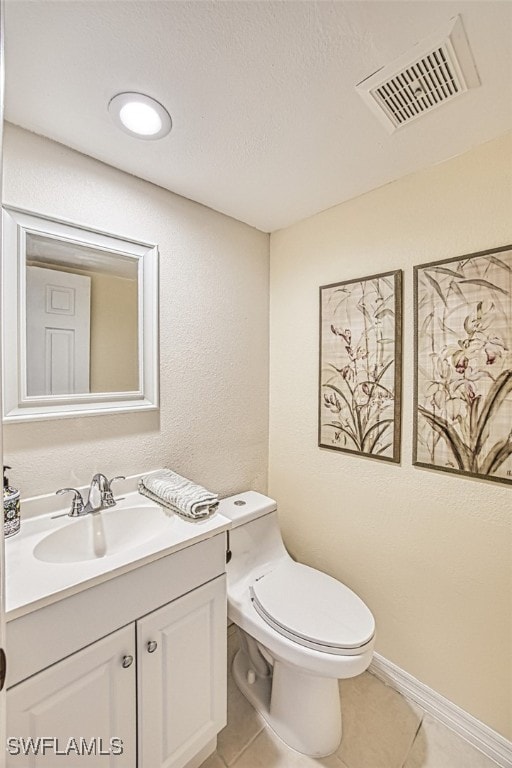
(179, 494)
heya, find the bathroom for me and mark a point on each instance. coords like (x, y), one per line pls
(251, 224)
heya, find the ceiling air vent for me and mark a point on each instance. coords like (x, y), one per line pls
(436, 71)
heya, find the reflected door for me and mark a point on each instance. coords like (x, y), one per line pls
(58, 332)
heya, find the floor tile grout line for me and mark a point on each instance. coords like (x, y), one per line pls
(246, 747)
(413, 741)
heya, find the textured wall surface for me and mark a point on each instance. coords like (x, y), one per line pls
(268, 125)
(213, 422)
(430, 553)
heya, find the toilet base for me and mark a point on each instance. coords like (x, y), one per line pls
(303, 710)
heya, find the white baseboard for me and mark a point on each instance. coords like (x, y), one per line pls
(489, 742)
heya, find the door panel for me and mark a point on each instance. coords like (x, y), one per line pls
(58, 332)
(182, 679)
(85, 700)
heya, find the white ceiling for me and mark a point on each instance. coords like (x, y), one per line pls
(268, 127)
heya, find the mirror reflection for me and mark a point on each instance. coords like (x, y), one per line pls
(81, 305)
(80, 320)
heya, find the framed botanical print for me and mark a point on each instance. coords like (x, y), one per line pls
(463, 365)
(360, 366)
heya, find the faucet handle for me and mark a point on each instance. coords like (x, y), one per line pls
(108, 496)
(77, 504)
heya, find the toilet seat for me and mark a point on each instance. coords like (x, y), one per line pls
(312, 609)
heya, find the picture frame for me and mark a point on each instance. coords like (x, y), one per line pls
(360, 366)
(463, 365)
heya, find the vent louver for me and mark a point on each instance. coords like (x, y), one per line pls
(405, 91)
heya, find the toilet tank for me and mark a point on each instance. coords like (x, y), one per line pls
(254, 538)
(246, 506)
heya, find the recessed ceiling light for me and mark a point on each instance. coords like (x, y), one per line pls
(140, 115)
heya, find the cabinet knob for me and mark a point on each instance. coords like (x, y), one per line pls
(152, 646)
(127, 661)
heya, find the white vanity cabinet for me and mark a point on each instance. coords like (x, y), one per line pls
(90, 695)
(182, 677)
(156, 681)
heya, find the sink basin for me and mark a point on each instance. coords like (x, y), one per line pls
(101, 534)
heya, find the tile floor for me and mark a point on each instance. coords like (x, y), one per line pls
(381, 729)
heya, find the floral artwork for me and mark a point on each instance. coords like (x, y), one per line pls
(463, 398)
(360, 366)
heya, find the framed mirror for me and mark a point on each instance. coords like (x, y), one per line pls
(79, 320)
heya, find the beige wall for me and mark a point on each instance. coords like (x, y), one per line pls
(213, 422)
(430, 553)
(114, 339)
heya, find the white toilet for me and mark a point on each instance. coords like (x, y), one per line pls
(300, 630)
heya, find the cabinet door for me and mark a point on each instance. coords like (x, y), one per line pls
(182, 676)
(77, 706)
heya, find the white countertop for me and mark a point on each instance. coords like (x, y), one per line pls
(32, 583)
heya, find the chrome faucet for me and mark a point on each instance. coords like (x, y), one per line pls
(100, 496)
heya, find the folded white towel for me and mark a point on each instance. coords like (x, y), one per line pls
(179, 494)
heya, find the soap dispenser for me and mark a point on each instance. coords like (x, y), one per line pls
(11, 508)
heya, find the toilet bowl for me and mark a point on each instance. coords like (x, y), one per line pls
(300, 630)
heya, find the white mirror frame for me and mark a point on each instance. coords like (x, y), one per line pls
(17, 405)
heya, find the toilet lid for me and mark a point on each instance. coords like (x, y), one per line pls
(312, 608)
